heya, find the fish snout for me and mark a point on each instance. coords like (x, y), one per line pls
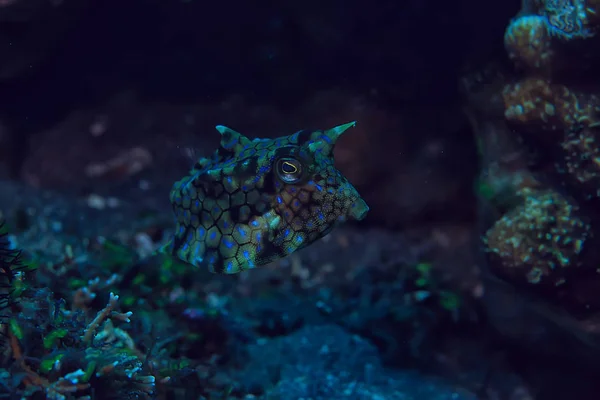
(359, 210)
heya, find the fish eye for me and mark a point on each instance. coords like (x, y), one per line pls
(289, 170)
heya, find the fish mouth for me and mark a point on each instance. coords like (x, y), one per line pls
(359, 210)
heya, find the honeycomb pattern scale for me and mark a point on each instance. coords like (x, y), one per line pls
(256, 201)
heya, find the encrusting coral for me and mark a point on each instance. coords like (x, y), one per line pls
(537, 240)
(547, 240)
(547, 32)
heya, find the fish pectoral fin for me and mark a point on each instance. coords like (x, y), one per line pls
(165, 249)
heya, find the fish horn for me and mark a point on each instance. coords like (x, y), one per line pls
(231, 140)
(334, 133)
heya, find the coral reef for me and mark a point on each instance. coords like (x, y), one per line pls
(357, 297)
(539, 223)
(81, 354)
(10, 267)
(66, 336)
(540, 241)
(546, 37)
(59, 349)
(545, 239)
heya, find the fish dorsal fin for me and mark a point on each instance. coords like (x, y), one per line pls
(232, 141)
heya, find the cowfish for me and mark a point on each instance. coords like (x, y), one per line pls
(256, 201)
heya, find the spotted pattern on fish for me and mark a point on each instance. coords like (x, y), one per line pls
(256, 201)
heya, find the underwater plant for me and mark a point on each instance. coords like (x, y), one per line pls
(53, 352)
(10, 264)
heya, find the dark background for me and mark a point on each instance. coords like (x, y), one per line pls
(190, 51)
(403, 59)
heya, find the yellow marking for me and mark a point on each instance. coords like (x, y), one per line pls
(289, 164)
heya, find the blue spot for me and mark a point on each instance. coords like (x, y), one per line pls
(296, 203)
(241, 231)
(230, 143)
(293, 189)
(279, 200)
(286, 214)
(321, 216)
(213, 235)
(245, 188)
(246, 254)
(255, 223)
(258, 237)
(299, 239)
(310, 225)
(229, 179)
(225, 224)
(228, 244)
(319, 188)
(229, 266)
(181, 229)
(325, 138)
(287, 232)
(197, 254)
(197, 203)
